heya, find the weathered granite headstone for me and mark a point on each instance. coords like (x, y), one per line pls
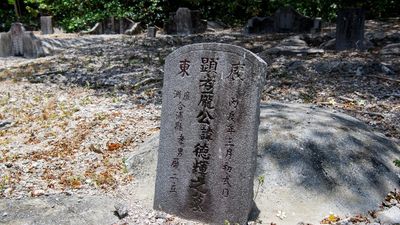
(350, 29)
(151, 32)
(32, 46)
(5, 45)
(183, 21)
(18, 42)
(317, 25)
(209, 128)
(46, 24)
(17, 32)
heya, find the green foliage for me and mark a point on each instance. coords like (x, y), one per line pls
(75, 15)
(7, 16)
(397, 162)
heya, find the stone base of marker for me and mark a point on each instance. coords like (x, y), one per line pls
(185, 21)
(208, 138)
(151, 32)
(18, 42)
(46, 24)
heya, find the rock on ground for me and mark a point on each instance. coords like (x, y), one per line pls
(314, 161)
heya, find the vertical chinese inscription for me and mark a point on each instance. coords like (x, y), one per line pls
(230, 129)
(208, 137)
(179, 113)
(205, 117)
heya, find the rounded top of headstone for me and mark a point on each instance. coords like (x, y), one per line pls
(17, 28)
(218, 47)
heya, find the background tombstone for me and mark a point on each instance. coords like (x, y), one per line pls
(317, 25)
(17, 32)
(151, 32)
(46, 24)
(350, 29)
(183, 21)
(5, 45)
(209, 128)
(32, 46)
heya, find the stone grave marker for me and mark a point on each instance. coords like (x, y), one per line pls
(183, 20)
(5, 44)
(18, 42)
(151, 32)
(17, 33)
(350, 29)
(46, 24)
(209, 129)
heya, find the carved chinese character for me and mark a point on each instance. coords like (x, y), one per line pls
(231, 116)
(197, 184)
(208, 64)
(207, 84)
(181, 138)
(225, 192)
(237, 71)
(231, 128)
(180, 152)
(186, 96)
(226, 180)
(181, 106)
(178, 125)
(233, 102)
(200, 166)
(206, 132)
(177, 94)
(202, 151)
(204, 117)
(206, 100)
(204, 64)
(229, 153)
(197, 200)
(227, 168)
(179, 115)
(175, 163)
(173, 188)
(184, 66)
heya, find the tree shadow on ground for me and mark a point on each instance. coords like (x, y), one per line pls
(326, 153)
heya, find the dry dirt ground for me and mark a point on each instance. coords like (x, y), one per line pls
(68, 121)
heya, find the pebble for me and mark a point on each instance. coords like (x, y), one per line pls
(121, 210)
(37, 193)
(389, 216)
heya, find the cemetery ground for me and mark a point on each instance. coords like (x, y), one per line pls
(70, 121)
